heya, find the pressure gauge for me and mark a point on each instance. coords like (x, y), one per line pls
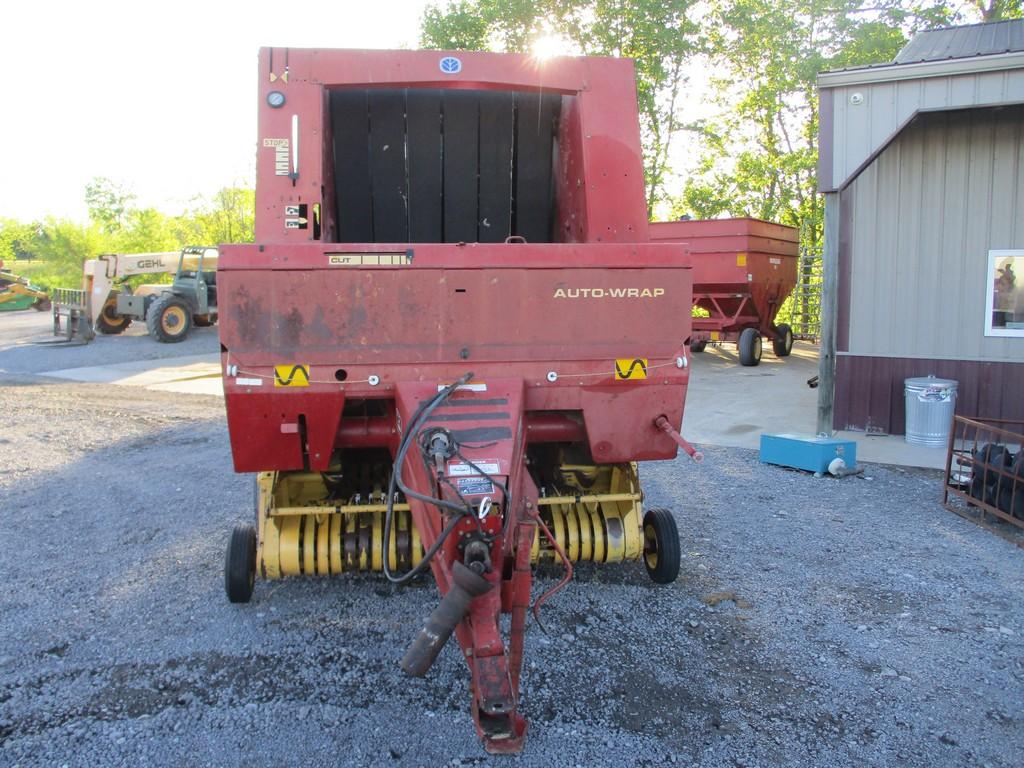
(275, 99)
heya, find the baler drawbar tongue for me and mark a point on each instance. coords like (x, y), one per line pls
(467, 465)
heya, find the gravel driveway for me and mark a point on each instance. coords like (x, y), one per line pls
(815, 621)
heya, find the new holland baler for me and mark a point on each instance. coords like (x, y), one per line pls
(452, 340)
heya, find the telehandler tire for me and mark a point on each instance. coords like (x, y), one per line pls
(169, 319)
(109, 322)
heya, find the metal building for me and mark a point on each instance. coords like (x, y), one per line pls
(922, 167)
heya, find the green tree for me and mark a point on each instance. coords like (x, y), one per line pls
(62, 246)
(998, 10)
(145, 230)
(229, 217)
(18, 240)
(108, 203)
(659, 35)
(760, 154)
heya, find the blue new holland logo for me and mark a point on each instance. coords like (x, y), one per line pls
(450, 65)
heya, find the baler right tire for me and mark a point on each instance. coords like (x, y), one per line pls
(783, 345)
(240, 564)
(661, 546)
(698, 346)
(749, 346)
(169, 319)
(109, 322)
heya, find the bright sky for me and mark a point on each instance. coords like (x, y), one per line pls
(159, 97)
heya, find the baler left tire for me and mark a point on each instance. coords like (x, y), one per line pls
(240, 564)
(661, 546)
(750, 346)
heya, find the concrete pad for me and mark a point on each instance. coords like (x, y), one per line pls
(194, 374)
(732, 405)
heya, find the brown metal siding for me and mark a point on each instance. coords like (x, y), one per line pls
(869, 390)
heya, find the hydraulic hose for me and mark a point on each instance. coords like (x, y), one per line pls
(422, 413)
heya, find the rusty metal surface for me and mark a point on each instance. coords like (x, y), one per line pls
(985, 470)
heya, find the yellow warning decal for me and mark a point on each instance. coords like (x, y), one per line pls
(716, 336)
(291, 375)
(741, 259)
(631, 368)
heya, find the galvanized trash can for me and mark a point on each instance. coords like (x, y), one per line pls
(930, 405)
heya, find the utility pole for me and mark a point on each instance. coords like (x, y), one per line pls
(829, 306)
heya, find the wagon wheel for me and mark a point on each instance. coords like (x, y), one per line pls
(782, 344)
(750, 346)
(698, 346)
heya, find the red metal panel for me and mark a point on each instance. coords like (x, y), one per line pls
(601, 133)
(743, 269)
(287, 305)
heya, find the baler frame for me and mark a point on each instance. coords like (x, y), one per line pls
(441, 388)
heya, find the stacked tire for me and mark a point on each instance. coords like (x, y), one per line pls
(997, 478)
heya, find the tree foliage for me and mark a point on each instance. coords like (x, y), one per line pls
(999, 10)
(760, 152)
(658, 34)
(56, 248)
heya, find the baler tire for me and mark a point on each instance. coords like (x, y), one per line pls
(661, 546)
(698, 346)
(175, 309)
(109, 323)
(240, 564)
(749, 346)
(784, 345)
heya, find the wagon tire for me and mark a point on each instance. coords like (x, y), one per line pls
(750, 347)
(240, 564)
(698, 346)
(782, 345)
(661, 546)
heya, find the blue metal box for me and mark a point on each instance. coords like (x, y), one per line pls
(807, 452)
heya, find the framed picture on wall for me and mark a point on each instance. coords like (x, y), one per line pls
(1004, 306)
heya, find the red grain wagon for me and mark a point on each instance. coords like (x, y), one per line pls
(743, 270)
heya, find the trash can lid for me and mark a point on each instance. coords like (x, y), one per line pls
(930, 382)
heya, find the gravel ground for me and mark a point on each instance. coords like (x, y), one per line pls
(815, 621)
